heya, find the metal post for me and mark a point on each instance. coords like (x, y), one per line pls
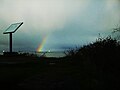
(10, 43)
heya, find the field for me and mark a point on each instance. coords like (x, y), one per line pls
(32, 73)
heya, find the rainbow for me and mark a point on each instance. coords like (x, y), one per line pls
(40, 47)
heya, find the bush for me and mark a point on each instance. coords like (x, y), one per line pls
(99, 62)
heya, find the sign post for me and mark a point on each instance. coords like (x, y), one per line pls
(11, 29)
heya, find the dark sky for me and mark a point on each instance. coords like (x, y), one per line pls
(57, 24)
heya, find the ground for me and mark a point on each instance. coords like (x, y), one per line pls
(24, 73)
(40, 73)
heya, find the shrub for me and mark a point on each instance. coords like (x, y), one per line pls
(99, 62)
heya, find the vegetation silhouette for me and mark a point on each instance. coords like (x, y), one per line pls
(99, 62)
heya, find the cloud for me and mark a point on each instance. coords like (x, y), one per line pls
(44, 14)
(63, 21)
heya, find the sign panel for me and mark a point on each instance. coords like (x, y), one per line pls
(12, 28)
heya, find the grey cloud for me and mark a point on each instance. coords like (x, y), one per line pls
(65, 23)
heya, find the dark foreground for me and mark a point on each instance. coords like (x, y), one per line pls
(33, 73)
